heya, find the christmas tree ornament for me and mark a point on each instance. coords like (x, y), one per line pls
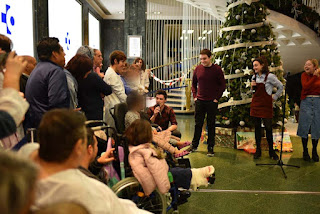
(252, 59)
(226, 93)
(237, 41)
(227, 122)
(227, 55)
(248, 83)
(250, 47)
(263, 51)
(238, 17)
(245, 12)
(228, 37)
(247, 71)
(268, 49)
(260, 9)
(237, 71)
(218, 61)
(242, 123)
(272, 64)
(253, 31)
(285, 120)
(243, 30)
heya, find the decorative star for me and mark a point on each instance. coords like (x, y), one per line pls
(237, 41)
(217, 61)
(226, 93)
(248, 83)
(247, 71)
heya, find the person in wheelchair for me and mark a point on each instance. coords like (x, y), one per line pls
(150, 168)
(135, 103)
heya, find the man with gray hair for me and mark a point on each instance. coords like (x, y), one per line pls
(86, 50)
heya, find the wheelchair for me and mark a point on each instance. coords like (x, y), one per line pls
(130, 188)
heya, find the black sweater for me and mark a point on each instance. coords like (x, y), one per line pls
(90, 96)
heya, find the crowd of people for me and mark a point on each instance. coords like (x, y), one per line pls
(60, 168)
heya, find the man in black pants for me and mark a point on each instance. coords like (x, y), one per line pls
(208, 84)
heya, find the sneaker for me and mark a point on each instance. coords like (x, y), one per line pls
(210, 153)
(191, 149)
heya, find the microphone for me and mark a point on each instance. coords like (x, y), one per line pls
(254, 87)
(160, 109)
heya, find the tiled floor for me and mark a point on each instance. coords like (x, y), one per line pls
(236, 170)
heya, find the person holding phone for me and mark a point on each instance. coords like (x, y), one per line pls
(262, 103)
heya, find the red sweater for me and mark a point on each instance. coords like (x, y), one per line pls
(310, 85)
(208, 83)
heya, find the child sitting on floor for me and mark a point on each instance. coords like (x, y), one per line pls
(150, 168)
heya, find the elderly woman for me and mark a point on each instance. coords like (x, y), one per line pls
(91, 88)
(309, 118)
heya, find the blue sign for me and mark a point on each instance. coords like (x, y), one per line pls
(4, 19)
(67, 41)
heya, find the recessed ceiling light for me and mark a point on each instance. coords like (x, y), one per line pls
(183, 31)
(120, 12)
(190, 31)
(157, 12)
(209, 32)
(204, 32)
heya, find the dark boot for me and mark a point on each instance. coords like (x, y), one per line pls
(272, 154)
(306, 155)
(257, 155)
(315, 156)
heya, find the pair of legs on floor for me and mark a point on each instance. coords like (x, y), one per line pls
(203, 108)
(306, 155)
(268, 126)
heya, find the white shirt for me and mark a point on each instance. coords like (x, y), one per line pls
(74, 186)
(118, 92)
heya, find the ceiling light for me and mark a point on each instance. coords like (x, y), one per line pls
(120, 12)
(190, 31)
(203, 38)
(204, 32)
(157, 12)
(199, 38)
(184, 31)
(181, 38)
(209, 32)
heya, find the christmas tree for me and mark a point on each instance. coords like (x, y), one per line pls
(246, 34)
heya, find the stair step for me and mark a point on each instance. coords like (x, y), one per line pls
(174, 100)
(184, 111)
(176, 95)
(173, 105)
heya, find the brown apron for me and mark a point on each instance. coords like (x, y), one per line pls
(261, 105)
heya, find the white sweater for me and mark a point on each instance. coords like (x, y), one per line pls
(74, 186)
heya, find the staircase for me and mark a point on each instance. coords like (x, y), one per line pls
(177, 100)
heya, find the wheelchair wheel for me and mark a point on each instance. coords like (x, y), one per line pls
(130, 188)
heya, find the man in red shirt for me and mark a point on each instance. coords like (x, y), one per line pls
(208, 84)
(162, 114)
